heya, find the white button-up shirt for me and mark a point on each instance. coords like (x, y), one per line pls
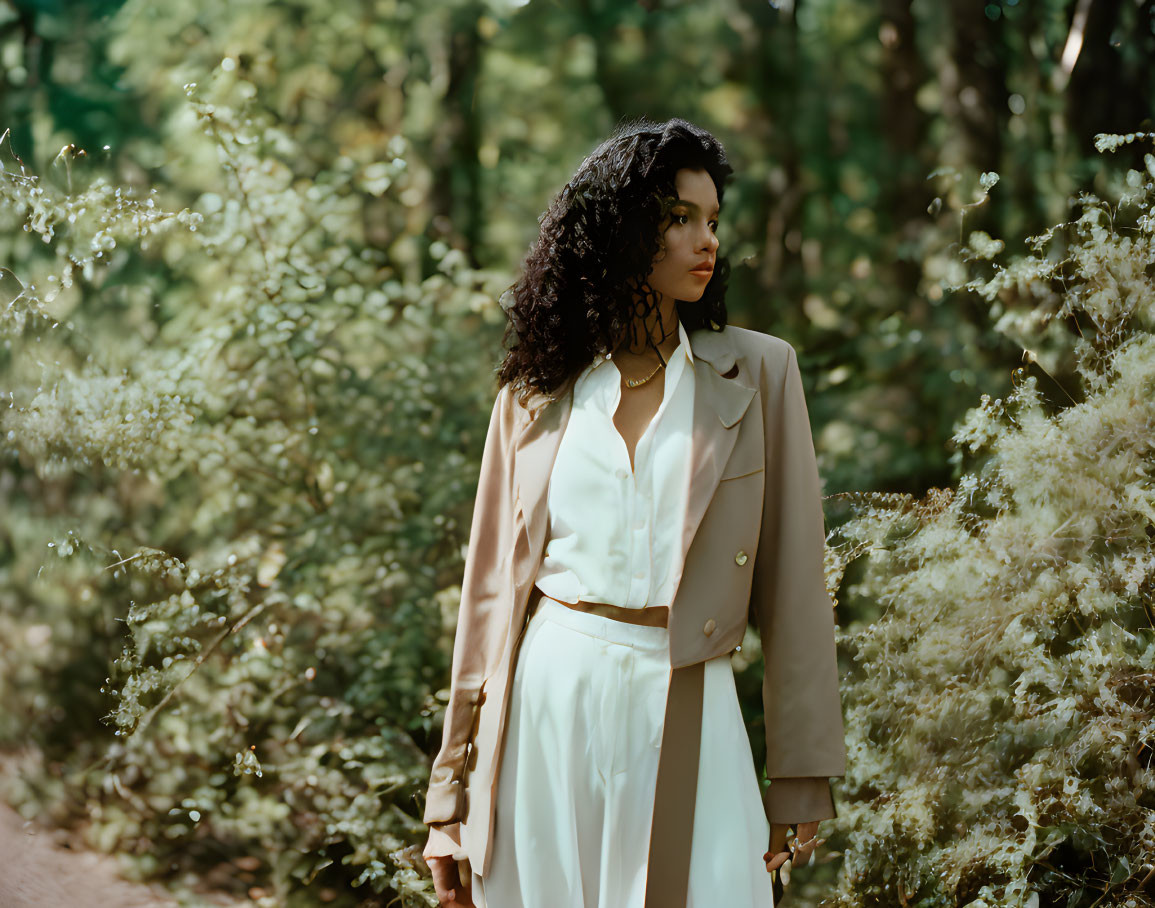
(614, 534)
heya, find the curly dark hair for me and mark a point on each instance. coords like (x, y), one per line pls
(597, 243)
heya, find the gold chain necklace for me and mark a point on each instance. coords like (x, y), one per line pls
(635, 382)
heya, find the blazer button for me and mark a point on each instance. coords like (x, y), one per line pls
(740, 558)
(708, 628)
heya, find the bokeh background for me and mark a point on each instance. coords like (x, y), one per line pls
(250, 257)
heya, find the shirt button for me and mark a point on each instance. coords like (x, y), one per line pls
(708, 628)
(740, 558)
(621, 474)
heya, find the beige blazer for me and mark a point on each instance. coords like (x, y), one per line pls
(752, 545)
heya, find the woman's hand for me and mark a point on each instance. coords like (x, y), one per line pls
(778, 854)
(452, 890)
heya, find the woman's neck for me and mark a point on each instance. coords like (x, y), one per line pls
(635, 343)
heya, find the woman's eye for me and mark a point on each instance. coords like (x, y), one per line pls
(684, 219)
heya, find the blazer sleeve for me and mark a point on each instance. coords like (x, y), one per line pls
(793, 611)
(479, 623)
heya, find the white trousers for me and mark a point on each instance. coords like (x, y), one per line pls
(576, 787)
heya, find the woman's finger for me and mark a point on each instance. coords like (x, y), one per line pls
(465, 878)
(802, 855)
(445, 880)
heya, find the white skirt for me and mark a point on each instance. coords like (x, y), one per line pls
(576, 788)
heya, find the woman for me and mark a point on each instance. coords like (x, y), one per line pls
(593, 750)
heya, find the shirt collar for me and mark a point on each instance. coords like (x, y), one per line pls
(685, 336)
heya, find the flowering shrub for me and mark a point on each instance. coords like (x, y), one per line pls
(249, 443)
(1000, 710)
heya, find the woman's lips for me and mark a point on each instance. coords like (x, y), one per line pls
(704, 272)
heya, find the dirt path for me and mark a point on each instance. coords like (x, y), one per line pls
(36, 871)
(53, 868)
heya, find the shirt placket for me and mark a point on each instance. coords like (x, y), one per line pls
(638, 529)
(642, 510)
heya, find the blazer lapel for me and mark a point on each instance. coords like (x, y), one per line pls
(719, 404)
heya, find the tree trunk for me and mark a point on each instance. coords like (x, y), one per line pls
(456, 196)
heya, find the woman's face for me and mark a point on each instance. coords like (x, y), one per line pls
(689, 240)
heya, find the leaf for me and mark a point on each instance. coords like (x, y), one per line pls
(1121, 871)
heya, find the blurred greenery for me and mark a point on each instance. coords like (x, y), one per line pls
(250, 255)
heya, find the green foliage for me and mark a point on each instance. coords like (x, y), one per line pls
(267, 445)
(1000, 714)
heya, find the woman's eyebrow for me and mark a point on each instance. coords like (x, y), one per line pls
(693, 206)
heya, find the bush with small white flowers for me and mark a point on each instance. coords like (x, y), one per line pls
(241, 452)
(1001, 709)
